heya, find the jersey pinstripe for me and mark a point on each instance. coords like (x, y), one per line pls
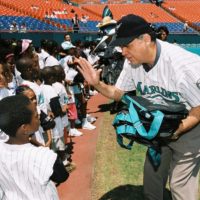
(176, 77)
(25, 172)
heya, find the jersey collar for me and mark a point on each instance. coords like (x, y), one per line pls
(148, 67)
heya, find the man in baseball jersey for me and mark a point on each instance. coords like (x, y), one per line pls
(159, 70)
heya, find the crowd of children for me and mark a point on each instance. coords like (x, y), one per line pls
(41, 80)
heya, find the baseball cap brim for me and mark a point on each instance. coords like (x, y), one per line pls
(100, 25)
(119, 42)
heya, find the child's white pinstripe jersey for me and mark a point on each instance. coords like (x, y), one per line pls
(25, 172)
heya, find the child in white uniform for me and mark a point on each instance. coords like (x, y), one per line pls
(46, 126)
(27, 172)
(4, 92)
(60, 76)
(53, 105)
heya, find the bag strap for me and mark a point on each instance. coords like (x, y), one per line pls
(156, 122)
(129, 100)
(121, 143)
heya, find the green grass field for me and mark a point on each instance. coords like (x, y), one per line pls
(118, 173)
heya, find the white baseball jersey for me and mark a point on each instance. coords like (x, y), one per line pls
(42, 57)
(16, 81)
(25, 172)
(70, 73)
(51, 61)
(175, 77)
(13, 85)
(61, 92)
(64, 62)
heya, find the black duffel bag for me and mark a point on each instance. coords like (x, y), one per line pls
(143, 121)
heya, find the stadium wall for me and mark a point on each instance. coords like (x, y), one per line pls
(58, 37)
(37, 36)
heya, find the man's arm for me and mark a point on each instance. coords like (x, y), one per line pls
(92, 76)
(109, 91)
(191, 121)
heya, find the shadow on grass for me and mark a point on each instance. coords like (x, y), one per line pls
(113, 107)
(124, 192)
(129, 192)
(105, 107)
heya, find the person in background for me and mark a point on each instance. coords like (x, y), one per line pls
(25, 67)
(69, 50)
(84, 20)
(14, 27)
(5, 79)
(23, 28)
(52, 50)
(4, 92)
(7, 58)
(58, 85)
(67, 37)
(53, 106)
(42, 53)
(185, 26)
(75, 22)
(46, 123)
(163, 33)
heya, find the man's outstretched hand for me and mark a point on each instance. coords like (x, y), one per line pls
(91, 75)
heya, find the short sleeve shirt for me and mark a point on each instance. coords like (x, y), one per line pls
(175, 77)
(25, 172)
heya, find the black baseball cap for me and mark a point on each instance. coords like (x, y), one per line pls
(128, 28)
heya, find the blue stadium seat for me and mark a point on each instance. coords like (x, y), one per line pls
(174, 27)
(31, 23)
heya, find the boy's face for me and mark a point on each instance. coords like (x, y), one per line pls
(31, 95)
(68, 38)
(71, 51)
(11, 63)
(163, 35)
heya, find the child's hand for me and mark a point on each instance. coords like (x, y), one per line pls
(69, 96)
(48, 144)
(68, 82)
(64, 108)
(50, 114)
